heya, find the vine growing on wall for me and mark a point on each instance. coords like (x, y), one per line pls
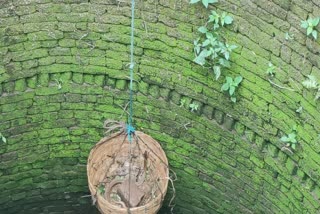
(211, 49)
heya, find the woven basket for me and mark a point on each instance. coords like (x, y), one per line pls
(101, 161)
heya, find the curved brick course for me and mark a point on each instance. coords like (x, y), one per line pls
(63, 71)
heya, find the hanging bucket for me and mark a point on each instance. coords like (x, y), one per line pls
(128, 178)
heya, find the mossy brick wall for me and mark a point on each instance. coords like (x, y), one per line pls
(227, 156)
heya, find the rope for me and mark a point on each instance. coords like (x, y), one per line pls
(112, 126)
(130, 129)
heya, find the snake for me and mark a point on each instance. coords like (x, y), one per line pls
(108, 190)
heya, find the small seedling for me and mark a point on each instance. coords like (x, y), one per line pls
(59, 83)
(231, 86)
(3, 139)
(182, 103)
(193, 107)
(204, 2)
(271, 69)
(312, 83)
(289, 37)
(310, 25)
(290, 139)
(299, 110)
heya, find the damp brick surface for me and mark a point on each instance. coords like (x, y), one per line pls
(64, 70)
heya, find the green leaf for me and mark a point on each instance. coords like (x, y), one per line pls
(294, 127)
(226, 55)
(234, 99)
(292, 136)
(204, 53)
(315, 34)
(217, 71)
(231, 90)
(3, 139)
(224, 63)
(229, 80)
(238, 80)
(206, 43)
(213, 1)
(197, 49)
(228, 20)
(216, 26)
(182, 102)
(200, 60)
(299, 110)
(222, 22)
(225, 87)
(214, 14)
(231, 47)
(309, 30)
(288, 36)
(210, 36)
(202, 29)
(315, 21)
(205, 3)
(284, 139)
(311, 82)
(214, 17)
(304, 24)
(194, 1)
(193, 106)
(293, 146)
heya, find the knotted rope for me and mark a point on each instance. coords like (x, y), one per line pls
(130, 128)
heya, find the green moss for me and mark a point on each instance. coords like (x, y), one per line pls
(20, 85)
(77, 78)
(227, 157)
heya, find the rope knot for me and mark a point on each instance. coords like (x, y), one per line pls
(130, 129)
(112, 126)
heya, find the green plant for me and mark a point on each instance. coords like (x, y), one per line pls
(204, 2)
(312, 83)
(290, 139)
(3, 139)
(289, 37)
(219, 20)
(299, 110)
(310, 25)
(59, 83)
(193, 107)
(231, 86)
(211, 50)
(182, 102)
(271, 69)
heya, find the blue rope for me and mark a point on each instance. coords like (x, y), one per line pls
(130, 129)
